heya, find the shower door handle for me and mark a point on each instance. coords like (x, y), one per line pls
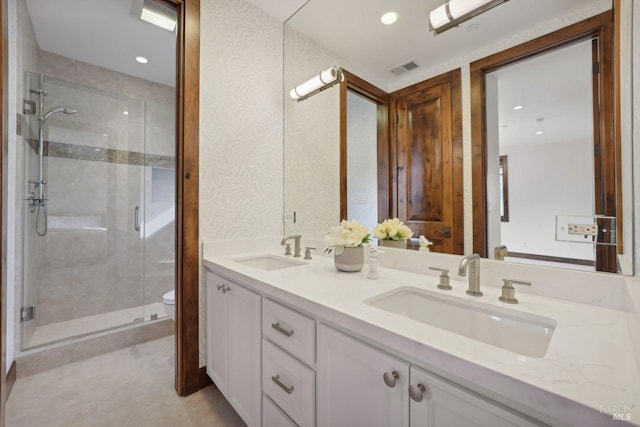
(136, 218)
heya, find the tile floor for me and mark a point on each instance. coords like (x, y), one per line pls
(128, 387)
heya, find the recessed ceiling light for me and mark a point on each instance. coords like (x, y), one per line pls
(142, 59)
(518, 107)
(389, 18)
(126, 113)
(539, 132)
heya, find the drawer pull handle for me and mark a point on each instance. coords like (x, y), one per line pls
(279, 328)
(276, 380)
(417, 392)
(220, 287)
(225, 289)
(390, 378)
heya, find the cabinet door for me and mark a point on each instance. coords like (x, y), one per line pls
(244, 352)
(446, 405)
(351, 390)
(216, 331)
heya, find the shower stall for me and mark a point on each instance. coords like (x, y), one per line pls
(99, 193)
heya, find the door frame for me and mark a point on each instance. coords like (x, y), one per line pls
(187, 272)
(602, 26)
(353, 83)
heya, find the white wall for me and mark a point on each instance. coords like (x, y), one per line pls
(494, 237)
(241, 158)
(536, 197)
(362, 160)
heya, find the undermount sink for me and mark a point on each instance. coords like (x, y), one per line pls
(269, 262)
(521, 333)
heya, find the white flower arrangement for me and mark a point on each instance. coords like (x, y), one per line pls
(392, 229)
(349, 234)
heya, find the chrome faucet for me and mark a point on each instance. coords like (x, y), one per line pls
(473, 263)
(297, 253)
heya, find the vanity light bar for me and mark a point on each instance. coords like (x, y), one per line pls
(454, 12)
(322, 81)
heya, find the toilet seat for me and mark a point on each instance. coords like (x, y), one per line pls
(169, 298)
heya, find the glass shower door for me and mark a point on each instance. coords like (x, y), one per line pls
(86, 273)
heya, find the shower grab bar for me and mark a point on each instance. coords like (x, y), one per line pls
(136, 218)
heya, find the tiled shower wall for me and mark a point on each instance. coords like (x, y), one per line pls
(116, 153)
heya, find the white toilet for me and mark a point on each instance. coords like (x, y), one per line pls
(169, 301)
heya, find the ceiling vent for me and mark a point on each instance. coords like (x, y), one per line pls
(401, 69)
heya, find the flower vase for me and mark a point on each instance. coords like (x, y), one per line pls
(400, 244)
(350, 259)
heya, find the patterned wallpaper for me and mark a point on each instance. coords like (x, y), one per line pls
(240, 122)
(311, 140)
(241, 116)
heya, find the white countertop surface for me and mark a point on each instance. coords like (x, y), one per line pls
(589, 369)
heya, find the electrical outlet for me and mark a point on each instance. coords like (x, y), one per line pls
(583, 229)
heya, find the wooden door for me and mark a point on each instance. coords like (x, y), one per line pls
(351, 390)
(428, 148)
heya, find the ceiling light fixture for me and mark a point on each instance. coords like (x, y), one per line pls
(518, 107)
(322, 81)
(126, 113)
(158, 15)
(142, 59)
(455, 12)
(389, 18)
(539, 132)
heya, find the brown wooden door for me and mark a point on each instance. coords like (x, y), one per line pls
(428, 142)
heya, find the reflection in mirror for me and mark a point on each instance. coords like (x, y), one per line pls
(362, 160)
(539, 116)
(359, 43)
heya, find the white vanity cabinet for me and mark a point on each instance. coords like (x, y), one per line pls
(437, 403)
(360, 385)
(234, 345)
(288, 354)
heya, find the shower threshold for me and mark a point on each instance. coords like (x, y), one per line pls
(82, 326)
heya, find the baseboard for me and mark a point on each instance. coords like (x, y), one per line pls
(205, 381)
(11, 378)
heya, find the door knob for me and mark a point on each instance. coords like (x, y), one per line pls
(390, 378)
(416, 392)
(445, 232)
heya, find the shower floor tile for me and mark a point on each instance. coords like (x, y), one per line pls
(128, 387)
(54, 332)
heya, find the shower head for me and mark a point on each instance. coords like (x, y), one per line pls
(65, 110)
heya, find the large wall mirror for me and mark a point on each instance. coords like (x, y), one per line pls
(555, 88)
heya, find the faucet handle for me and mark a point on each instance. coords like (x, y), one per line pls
(307, 252)
(444, 278)
(287, 250)
(509, 292)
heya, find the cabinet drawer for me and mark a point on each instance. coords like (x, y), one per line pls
(290, 330)
(272, 416)
(289, 383)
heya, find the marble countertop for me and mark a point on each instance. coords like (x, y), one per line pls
(590, 368)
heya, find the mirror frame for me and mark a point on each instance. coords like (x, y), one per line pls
(602, 26)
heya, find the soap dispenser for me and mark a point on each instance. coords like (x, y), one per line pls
(373, 263)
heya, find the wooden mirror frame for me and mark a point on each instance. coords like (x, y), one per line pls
(602, 26)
